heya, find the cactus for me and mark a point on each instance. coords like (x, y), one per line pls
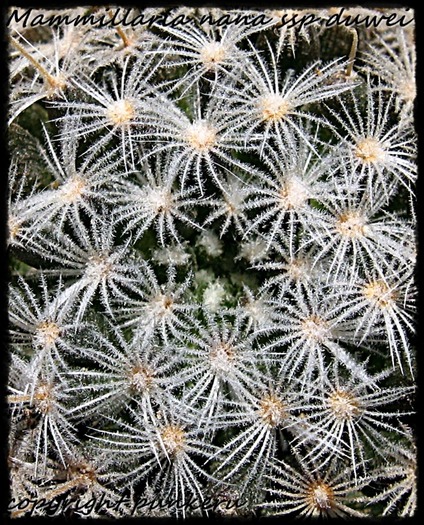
(212, 245)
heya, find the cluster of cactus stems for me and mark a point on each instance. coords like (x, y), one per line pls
(212, 243)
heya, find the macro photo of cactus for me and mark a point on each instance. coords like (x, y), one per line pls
(212, 243)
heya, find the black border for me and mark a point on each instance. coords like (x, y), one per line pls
(4, 266)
